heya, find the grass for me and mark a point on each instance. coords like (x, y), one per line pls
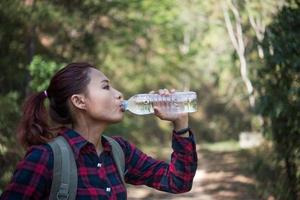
(223, 146)
(164, 152)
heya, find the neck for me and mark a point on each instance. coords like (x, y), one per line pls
(92, 132)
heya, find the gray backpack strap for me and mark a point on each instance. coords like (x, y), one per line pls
(64, 181)
(118, 155)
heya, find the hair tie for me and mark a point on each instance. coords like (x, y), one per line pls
(45, 93)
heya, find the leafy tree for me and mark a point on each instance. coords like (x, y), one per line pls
(279, 88)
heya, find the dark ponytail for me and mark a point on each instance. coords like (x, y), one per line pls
(34, 127)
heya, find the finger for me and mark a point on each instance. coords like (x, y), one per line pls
(157, 112)
(166, 92)
(160, 91)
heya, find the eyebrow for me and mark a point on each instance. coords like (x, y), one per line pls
(105, 80)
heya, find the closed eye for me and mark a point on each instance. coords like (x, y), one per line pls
(107, 87)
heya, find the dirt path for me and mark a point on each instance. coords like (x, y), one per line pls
(219, 176)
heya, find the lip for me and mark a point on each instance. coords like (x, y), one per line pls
(122, 109)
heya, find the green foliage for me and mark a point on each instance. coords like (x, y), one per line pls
(13, 51)
(9, 155)
(279, 87)
(41, 72)
(9, 114)
(261, 162)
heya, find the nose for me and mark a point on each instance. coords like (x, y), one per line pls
(119, 95)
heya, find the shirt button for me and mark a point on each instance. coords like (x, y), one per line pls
(108, 189)
(99, 165)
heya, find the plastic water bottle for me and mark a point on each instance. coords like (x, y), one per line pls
(178, 102)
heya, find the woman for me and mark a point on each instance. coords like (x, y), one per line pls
(82, 98)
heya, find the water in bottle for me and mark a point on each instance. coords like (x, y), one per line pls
(178, 102)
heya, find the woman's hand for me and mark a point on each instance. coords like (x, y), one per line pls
(179, 120)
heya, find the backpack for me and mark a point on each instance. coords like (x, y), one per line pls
(64, 181)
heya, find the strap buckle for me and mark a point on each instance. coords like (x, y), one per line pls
(63, 193)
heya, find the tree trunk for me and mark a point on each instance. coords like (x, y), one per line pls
(236, 37)
(30, 47)
(291, 171)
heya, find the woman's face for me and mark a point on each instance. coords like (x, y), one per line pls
(102, 101)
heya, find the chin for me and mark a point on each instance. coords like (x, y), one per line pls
(116, 120)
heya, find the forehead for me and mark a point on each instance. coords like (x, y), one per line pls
(97, 75)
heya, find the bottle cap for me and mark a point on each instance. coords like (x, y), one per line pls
(124, 105)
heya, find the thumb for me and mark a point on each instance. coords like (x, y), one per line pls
(157, 112)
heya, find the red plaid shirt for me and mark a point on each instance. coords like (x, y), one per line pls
(98, 176)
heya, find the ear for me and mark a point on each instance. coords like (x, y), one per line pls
(78, 101)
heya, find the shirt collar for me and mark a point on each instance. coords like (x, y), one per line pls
(77, 142)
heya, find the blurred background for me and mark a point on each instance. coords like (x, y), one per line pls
(242, 57)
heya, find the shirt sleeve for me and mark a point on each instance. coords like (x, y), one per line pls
(174, 177)
(32, 177)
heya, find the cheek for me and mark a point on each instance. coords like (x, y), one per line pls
(105, 110)
(107, 103)
(103, 105)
